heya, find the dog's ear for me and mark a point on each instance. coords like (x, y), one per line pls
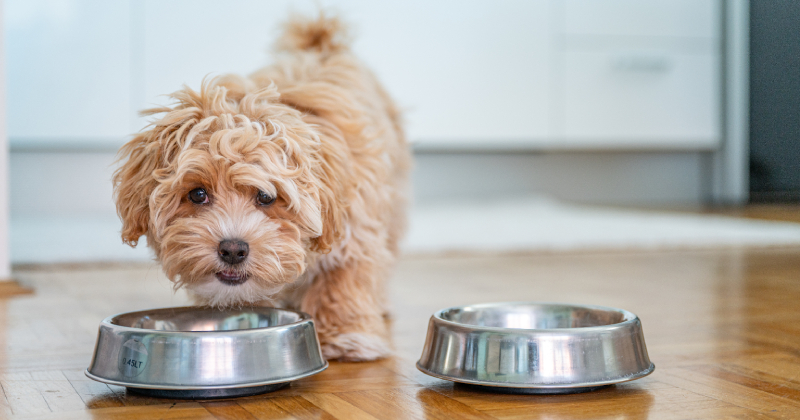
(133, 184)
(332, 222)
(336, 186)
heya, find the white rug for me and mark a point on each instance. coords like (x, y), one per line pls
(538, 224)
(496, 226)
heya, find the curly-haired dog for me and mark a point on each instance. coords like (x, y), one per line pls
(287, 187)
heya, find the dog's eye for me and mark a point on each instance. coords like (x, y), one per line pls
(198, 196)
(264, 199)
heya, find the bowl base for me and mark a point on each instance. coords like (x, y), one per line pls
(540, 391)
(207, 394)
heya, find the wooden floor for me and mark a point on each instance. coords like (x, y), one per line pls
(722, 327)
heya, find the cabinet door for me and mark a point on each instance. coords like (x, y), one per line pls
(469, 73)
(187, 40)
(68, 69)
(464, 72)
(638, 74)
(643, 98)
(642, 18)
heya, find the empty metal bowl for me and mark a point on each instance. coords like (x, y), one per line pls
(193, 352)
(529, 347)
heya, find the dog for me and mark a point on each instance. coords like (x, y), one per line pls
(284, 188)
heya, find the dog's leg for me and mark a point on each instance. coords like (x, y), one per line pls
(346, 306)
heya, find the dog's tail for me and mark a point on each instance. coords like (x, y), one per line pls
(325, 34)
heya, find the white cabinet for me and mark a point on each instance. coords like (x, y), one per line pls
(467, 72)
(642, 18)
(642, 98)
(68, 69)
(464, 72)
(184, 41)
(537, 74)
(638, 74)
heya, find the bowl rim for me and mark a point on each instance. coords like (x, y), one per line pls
(304, 318)
(630, 318)
(205, 387)
(555, 385)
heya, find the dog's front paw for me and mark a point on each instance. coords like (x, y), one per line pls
(355, 347)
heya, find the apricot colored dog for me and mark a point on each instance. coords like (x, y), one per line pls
(286, 188)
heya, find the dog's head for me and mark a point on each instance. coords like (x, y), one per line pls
(232, 189)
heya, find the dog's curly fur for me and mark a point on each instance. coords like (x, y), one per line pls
(317, 133)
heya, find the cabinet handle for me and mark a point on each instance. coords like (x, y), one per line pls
(642, 63)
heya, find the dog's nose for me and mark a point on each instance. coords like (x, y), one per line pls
(233, 252)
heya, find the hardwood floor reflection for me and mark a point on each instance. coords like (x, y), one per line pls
(722, 327)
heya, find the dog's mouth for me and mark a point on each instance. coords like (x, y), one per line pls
(232, 277)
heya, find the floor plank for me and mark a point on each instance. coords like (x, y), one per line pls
(409, 403)
(227, 410)
(732, 393)
(337, 407)
(267, 409)
(9, 288)
(23, 396)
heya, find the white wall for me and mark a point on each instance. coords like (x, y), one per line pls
(5, 263)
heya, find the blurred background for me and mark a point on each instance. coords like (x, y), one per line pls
(524, 115)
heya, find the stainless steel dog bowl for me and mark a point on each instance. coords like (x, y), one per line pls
(528, 347)
(192, 352)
